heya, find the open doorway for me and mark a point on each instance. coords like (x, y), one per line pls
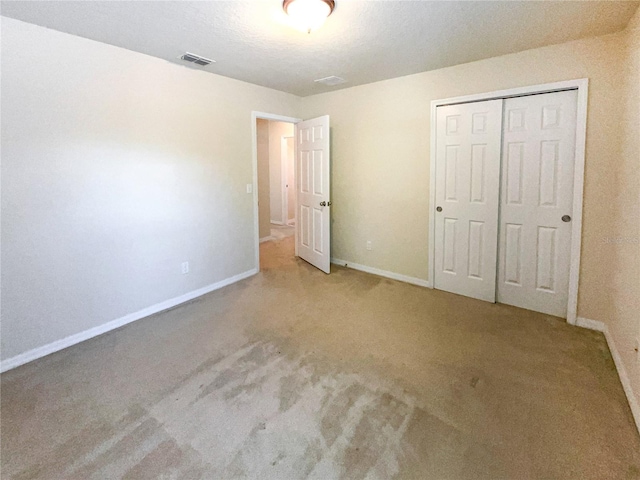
(310, 196)
(275, 191)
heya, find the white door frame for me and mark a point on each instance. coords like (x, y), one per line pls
(582, 86)
(254, 159)
(284, 170)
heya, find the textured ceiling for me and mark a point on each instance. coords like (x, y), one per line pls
(362, 41)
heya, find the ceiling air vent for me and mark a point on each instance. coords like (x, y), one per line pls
(197, 59)
(331, 81)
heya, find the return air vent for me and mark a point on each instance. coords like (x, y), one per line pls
(331, 81)
(197, 59)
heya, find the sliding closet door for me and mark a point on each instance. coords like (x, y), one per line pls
(467, 185)
(536, 201)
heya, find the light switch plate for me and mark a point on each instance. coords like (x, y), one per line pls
(249, 188)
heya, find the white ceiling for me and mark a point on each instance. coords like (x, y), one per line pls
(362, 41)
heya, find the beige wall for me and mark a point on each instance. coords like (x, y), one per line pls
(264, 208)
(116, 167)
(624, 319)
(276, 131)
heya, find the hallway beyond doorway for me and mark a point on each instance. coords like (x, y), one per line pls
(279, 232)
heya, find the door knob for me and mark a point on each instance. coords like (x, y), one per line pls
(323, 204)
(329, 204)
(566, 218)
(438, 209)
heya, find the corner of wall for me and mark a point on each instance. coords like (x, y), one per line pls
(625, 379)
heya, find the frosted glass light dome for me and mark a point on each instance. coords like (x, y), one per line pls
(308, 15)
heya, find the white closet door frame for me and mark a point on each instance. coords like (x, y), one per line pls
(582, 86)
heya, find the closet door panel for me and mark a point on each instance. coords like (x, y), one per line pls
(536, 192)
(467, 187)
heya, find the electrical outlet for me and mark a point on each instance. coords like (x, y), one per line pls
(185, 267)
(369, 245)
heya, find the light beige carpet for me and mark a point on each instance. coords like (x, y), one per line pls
(280, 232)
(295, 374)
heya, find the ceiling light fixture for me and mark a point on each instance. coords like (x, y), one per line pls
(308, 15)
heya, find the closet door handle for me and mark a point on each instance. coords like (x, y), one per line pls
(323, 204)
(438, 209)
(566, 218)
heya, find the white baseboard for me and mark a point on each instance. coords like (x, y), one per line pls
(382, 273)
(591, 324)
(266, 239)
(274, 222)
(52, 347)
(291, 222)
(617, 359)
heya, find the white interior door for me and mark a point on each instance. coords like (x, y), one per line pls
(313, 223)
(537, 199)
(467, 190)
